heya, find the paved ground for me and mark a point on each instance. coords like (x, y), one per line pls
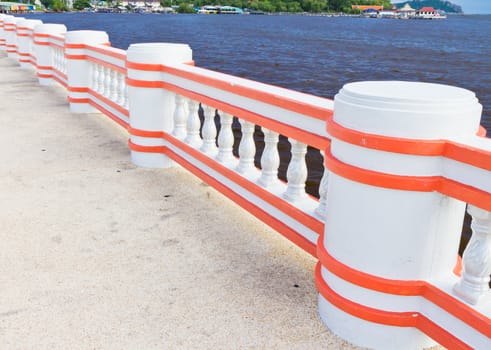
(98, 254)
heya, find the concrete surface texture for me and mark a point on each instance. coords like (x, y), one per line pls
(98, 254)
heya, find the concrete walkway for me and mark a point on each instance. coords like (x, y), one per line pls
(98, 254)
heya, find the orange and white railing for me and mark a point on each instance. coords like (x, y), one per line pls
(403, 161)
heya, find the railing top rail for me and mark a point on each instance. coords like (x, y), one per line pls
(108, 51)
(302, 103)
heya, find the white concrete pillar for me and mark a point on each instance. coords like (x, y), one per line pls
(44, 52)
(151, 108)
(3, 33)
(25, 38)
(10, 28)
(381, 222)
(79, 68)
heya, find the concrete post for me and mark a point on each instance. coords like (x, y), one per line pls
(377, 223)
(10, 28)
(25, 39)
(44, 52)
(3, 33)
(151, 108)
(78, 67)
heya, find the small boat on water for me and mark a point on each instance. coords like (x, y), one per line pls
(220, 10)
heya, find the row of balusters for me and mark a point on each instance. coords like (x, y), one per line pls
(59, 60)
(109, 83)
(187, 125)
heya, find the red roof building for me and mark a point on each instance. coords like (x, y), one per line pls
(427, 11)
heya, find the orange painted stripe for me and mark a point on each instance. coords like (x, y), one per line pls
(40, 75)
(103, 110)
(61, 76)
(82, 46)
(44, 67)
(452, 150)
(258, 95)
(111, 53)
(441, 184)
(284, 206)
(390, 318)
(58, 46)
(59, 80)
(120, 69)
(42, 43)
(424, 289)
(259, 213)
(313, 140)
(77, 89)
(112, 66)
(24, 54)
(23, 35)
(145, 133)
(110, 103)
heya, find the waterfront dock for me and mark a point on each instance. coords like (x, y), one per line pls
(99, 254)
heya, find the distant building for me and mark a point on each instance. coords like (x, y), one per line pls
(426, 11)
(367, 8)
(406, 11)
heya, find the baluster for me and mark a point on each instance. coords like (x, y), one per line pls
(95, 77)
(270, 160)
(121, 90)
(296, 173)
(114, 85)
(102, 79)
(476, 260)
(209, 131)
(193, 124)
(225, 138)
(63, 62)
(107, 82)
(180, 117)
(247, 147)
(56, 59)
(321, 210)
(126, 99)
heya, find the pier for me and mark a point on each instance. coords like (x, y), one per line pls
(403, 160)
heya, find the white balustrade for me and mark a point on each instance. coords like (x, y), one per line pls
(296, 173)
(193, 124)
(209, 131)
(476, 260)
(321, 210)
(180, 117)
(225, 138)
(270, 159)
(247, 147)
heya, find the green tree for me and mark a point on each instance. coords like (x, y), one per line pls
(58, 5)
(81, 4)
(185, 8)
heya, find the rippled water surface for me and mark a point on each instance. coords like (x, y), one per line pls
(313, 54)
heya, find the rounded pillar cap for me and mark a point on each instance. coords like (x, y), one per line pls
(407, 109)
(86, 37)
(29, 23)
(13, 19)
(50, 28)
(159, 53)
